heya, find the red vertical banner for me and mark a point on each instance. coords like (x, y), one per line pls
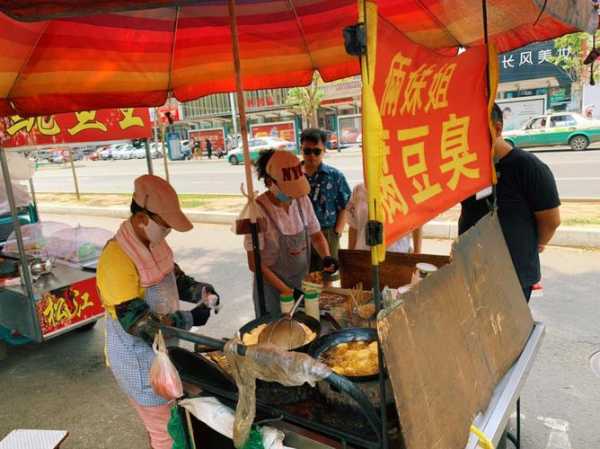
(437, 145)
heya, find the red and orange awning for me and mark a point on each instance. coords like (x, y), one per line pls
(75, 55)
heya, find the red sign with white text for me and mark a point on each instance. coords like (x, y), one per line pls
(281, 130)
(76, 127)
(66, 307)
(216, 137)
(436, 129)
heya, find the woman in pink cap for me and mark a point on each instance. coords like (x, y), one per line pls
(291, 228)
(140, 286)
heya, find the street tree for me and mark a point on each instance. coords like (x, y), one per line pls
(305, 101)
(571, 51)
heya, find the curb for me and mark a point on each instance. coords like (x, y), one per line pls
(565, 236)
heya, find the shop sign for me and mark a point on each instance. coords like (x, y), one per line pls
(437, 145)
(281, 130)
(215, 135)
(66, 307)
(260, 102)
(75, 127)
(346, 88)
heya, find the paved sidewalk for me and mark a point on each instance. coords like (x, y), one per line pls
(571, 236)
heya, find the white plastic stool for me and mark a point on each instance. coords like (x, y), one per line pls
(34, 439)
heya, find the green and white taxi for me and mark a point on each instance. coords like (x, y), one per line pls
(563, 128)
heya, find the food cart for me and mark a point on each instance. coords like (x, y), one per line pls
(535, 22)
(49, 283)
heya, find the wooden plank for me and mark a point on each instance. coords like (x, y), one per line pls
(395, 271)
(452, 338)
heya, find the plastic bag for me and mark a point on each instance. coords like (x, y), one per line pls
(220, 418)
(164, 377)
(271, 364)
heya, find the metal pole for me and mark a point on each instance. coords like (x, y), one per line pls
(75, 181)
(25, 273)
(247, 161)
(148, 157)
(233, 113)
(32, 191)
(164, 151)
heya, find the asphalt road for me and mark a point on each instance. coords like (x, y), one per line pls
(64, 384)
(577, 174)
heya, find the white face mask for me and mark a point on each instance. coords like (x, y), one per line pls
(155, 232)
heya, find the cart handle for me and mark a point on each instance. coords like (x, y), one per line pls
(340, 382)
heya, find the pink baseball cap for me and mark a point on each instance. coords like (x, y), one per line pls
(158, 196)
(286, 169)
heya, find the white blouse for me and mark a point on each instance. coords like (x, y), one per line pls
(358, 216)
(290, 223)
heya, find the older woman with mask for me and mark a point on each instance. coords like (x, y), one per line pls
(140, 286)
(291, 228)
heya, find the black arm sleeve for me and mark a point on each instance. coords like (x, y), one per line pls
(138, 320)
(190, 290)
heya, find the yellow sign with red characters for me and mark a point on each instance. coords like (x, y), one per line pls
(437, 145)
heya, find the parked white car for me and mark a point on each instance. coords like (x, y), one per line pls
(139, 153)
(123, 152)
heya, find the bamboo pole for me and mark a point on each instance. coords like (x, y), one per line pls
(240, 100)
(260, 308)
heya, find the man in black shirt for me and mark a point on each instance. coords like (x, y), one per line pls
(528, 206)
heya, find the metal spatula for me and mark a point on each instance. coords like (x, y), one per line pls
(286, 332)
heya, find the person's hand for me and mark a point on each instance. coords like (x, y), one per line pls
(330, 264)
(200, 315)
(541, 248)
(208, 296)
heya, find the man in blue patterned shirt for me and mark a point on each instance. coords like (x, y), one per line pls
(329, 192)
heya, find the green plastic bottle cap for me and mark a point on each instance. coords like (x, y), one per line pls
(286, 298)
(311, 295)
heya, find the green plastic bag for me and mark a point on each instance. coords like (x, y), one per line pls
(177, 430)
(254, 440)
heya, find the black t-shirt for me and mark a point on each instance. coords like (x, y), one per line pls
(525, 186)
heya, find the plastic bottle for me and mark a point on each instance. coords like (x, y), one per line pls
(311, 304)
(286, 302)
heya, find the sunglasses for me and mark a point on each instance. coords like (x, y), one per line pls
(309, 151)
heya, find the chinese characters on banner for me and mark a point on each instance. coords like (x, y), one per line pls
(437, 146)
(84, 126)
(66, 307)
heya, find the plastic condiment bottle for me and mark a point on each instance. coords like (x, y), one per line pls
(311, 304)
(286, 302)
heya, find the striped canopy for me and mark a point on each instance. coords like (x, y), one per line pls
(72, 55)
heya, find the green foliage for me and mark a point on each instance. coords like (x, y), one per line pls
(579, 45)
(305, 101)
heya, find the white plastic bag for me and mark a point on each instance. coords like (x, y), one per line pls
(220, 418)
(164, 377)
